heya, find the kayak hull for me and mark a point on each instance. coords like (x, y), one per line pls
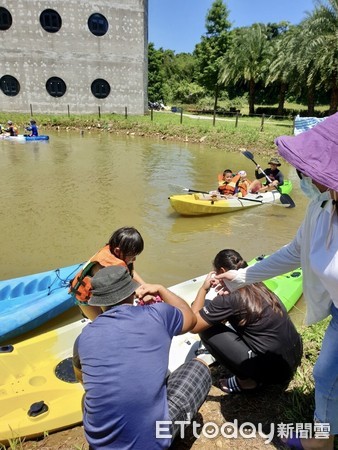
(23, 138)
(201, 204)
(31, 375)
(29, 301)
(30, 367)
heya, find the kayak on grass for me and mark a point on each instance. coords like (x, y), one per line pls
(38, 389)
(29, 301)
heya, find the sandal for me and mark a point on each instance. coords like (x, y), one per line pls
(231, 386)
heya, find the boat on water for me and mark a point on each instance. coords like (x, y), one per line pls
(202, 203)
(29, 301)
(38, 389)
(23, 138)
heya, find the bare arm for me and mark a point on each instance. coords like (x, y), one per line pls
(198, 304)
(189, 319)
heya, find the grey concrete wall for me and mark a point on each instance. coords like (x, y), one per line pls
(77, 56)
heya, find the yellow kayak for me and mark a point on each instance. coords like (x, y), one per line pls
(203, 204)
(38, 390)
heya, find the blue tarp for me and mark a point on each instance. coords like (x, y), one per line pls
(305, 123)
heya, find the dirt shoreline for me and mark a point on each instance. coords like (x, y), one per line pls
(260, 408)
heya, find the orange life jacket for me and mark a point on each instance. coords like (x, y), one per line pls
(81, 285)
(243, 187)
(229, 188)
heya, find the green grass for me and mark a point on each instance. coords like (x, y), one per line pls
(166, 125)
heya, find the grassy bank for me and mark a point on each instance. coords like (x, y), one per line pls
(266, 407)
(226, 133)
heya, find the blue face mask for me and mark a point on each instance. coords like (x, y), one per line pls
(310, 190)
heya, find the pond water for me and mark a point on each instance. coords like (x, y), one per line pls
(61, 200)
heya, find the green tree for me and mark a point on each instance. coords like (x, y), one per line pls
(246, 60)
(156, 75)
(212, 48)
(321, 31)
(284, 63)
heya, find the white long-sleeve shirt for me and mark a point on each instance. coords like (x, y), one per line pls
(310, 250)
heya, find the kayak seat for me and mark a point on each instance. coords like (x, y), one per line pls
(4, 293)
(30, 287)
(44, 283)
(18, 290)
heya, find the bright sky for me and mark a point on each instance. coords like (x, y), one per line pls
(179, 24)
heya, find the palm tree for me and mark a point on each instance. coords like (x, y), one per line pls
(246, 59)
(322, 40)
(289, 66)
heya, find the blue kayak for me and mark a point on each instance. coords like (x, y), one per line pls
(31, 300)
(42, 137)
(23, 138)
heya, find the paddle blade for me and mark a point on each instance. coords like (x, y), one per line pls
(247, 154)
(286, 200)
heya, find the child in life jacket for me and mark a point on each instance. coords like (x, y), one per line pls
(242, 185)
(228, 185)
(11, 129)
(123, 247)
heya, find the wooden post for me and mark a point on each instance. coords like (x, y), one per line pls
(151, 114)
(293, 125)
(68, 110)
(31, 108)
(214, 118)
(236, 123)
(99, 108)
(181, 118)
(125, 112)
(262, 122)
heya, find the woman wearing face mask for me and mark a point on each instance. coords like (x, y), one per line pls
(314, 154)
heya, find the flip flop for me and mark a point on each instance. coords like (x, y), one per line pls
(231, 386)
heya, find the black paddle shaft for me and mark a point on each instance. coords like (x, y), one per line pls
(284, 198)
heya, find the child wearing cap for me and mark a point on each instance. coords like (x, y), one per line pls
(275, 175)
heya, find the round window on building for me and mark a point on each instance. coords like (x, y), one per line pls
(50, 20)
(56, 87)
(9, 85)
(100, 88)
(98, 24)
(5, 19)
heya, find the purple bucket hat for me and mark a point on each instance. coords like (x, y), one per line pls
(314, 152)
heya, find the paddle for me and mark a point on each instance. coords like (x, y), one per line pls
(285, 199)
(176, 187)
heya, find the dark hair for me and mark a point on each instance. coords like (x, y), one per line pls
(254, 297)
(128, 239)
(227, 171)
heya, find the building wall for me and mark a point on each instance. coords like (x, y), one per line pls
(74, 54)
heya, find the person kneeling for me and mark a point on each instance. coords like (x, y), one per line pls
(248, 331)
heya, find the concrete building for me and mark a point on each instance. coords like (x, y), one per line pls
(74, 56)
